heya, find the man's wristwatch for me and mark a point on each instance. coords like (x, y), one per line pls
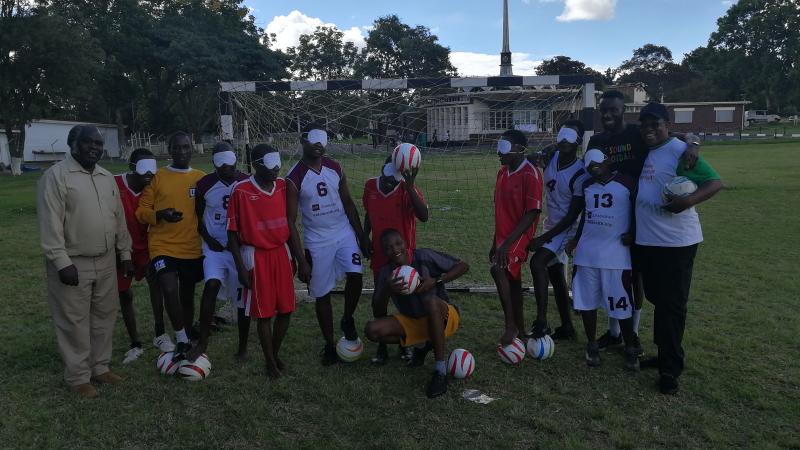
(439, 281)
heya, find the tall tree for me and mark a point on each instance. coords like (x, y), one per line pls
(324, 55)
(397, 50)
(653, 66)
(564, 65)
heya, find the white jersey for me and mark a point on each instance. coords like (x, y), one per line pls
(323, 217)
(655, 226)
(215, 194)
(607, 218)
(560, 185)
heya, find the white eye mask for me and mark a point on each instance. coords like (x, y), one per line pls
(223, 158)
(144, 166)
(504, 147)
(593, 155)
(567, 134)
(272, 160)
(318, 137)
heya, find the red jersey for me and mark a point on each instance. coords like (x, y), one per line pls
(259, 216)
(130, 201)
(515, 194)
(392, 210)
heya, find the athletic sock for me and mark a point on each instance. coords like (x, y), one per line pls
(613, 327)
(180, 336)
(441, 367)
(637, 315)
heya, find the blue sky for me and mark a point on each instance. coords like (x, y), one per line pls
(601, 33)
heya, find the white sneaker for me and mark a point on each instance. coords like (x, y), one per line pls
(164, 343)
(132, 355)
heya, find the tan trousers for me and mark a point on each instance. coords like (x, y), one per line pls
(84, 316)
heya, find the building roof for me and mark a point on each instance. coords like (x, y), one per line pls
(739, 102)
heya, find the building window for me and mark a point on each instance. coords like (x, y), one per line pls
(683, 115)
(723, 115)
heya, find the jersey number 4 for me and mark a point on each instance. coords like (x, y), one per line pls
(622, 303)
(607, 202)
(551, 185)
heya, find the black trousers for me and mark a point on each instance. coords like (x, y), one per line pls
(667, 277)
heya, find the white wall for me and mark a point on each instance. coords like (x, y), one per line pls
(5, 156)
(47, 140)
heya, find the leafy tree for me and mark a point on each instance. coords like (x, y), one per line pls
(564, 65)
(653, 66)
(323, 55)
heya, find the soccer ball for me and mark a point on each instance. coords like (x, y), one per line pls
(461, 363)
(677, 187)
(406, 157)
(165, 365)
(197, 370)
(349, 351)
(512, 353)
(410, 276)
(541, 348)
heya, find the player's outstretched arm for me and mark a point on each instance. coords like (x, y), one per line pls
(693, 151)
(145, 212)
(292, 201)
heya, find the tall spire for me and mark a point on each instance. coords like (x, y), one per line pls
(505, 54)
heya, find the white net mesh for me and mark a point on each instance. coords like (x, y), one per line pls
(456, 129)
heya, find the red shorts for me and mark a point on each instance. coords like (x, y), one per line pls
(517, 256)
(273, 284)
(141, 261)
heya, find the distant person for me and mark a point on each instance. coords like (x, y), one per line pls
(517, 205)
(435, 141)
(167, 206)
(332, 234)
(627, 151)
(667, 237)
(424, 317)
(83, 235)
(142, 168)
(219, 269)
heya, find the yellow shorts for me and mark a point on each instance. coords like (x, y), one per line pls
(416, 329)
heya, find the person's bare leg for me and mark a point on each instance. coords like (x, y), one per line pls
(265, 337)
(279, 329)
(504, 292)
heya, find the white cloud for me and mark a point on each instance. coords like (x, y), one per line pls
(587, 10)
(289, 28)
(471, 64)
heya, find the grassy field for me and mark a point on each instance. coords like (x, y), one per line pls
(741, 387)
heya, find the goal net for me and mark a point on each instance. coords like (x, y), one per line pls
(455, 122)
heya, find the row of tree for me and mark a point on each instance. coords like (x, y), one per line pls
(154, 65)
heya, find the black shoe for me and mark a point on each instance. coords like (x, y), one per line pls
(668, 385)
(329, 356)
(637, 345)
(405, 353)
(649, 363)
(437, 386)
(181, 349)
(380, 356)
(348, 326)
(607, 341)
(539, 329)
(592, 354)
(564, 332)
(631, 359)
(418, 358)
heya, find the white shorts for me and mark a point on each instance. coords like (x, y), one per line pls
(558, 244)
(610, 289)
(330, 263)
(221, 266)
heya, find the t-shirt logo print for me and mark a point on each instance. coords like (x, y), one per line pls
(192, 192)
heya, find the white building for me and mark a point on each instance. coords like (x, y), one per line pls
(46, 140)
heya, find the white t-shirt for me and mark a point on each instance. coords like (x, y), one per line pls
(560, 185)
(216, 195)
(607, 218)
(323, 216)
(655, 226)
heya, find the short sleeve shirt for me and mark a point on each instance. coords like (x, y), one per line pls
(515, 194)
(259, 216)
(626, 149)
(392, 210)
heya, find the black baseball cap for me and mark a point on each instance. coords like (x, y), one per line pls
(657, 110)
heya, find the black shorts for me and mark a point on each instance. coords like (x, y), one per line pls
(188, 270)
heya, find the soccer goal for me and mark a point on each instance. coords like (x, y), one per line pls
(454, 121)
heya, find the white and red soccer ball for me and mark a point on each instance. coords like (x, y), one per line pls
(460, 364)
(165, 364)
(349, 351)
(677, 187)
(195, 370)
(512, 353)
(541, 348)
(410, 277)
(406, 157)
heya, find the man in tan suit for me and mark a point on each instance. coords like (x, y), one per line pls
(83, 235)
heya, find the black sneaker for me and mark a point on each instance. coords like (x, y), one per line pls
(348, 326)
(607, 341)
(418, 358)
(405, 353)
(329, 356)
(181, 349)
(539, 329)
(668, 385)
(632, 359)
(380, 356)
(592, 354)
(564, 332)
(437, 386)
(637, 345)
(649, 363)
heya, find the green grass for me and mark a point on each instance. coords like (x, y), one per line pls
(741, 387)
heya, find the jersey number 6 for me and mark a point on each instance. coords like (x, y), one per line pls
(322, 189)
